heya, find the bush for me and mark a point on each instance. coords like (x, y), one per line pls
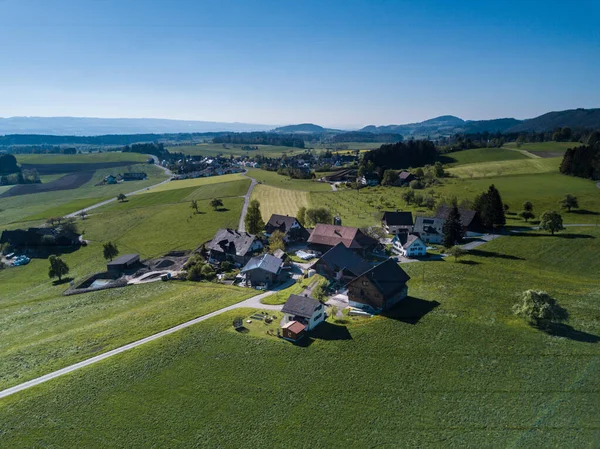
(416, 184)
(539, 309)
(226, 266)
(195, 273)
(208, 272)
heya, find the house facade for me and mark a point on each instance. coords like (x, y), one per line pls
(409, 245)
(305, 310)
(263, 270)
(429, 229)
(291, 228)
(397, 222)
(233, 246)
(340, 264)
(380, 288)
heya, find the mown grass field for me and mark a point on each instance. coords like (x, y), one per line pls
(196, 182)
(214, 149)
(86, 158)
(44, 205)
(451, 366)
(538, 147)
(40, 330)
(506, 167)
(279, 201)
(271, 178)
(481, 155)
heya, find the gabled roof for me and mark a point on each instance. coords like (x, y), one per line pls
(405, 175)
(331, 235)
(398, 218)
(387, 277)
(266, 262)
(428, 225)
(294, 326)
(303, 306)
(281, 222)
(466, 216)
(406, 239)
(231, 241)
(339, 257)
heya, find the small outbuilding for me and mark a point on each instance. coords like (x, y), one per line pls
(293, 330)
(123, 263)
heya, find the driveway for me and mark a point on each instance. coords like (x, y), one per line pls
(242, 225)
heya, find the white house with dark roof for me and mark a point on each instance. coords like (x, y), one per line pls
(305, 310)
(396, 222)
(409, 245)
(429, 229)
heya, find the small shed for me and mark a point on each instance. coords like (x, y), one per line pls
(122, 263)
(293, 330)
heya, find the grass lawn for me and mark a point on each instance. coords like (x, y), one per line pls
(511, 167)
(482, 155)
(86, 158)
(214, 149)
(279, 201)
(271, 178)
(451, 366)
(24, 207)
(282, 296)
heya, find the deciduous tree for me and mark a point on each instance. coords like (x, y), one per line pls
(121, 197)
(319, 215)
(276, 241)
(539, 309)
(526, 215)
(253, 220)
(551, 221)
(569, 202)
(216, 203)
(456, 252)
(528, 206)
(110, 250)
(58, 268)
(301, 216)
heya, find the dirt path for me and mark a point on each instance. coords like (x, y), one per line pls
(524, 152)
(242, 225)
(253, 302)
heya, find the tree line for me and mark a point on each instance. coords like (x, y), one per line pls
(362, 136)
(401, 155)
(583, 161)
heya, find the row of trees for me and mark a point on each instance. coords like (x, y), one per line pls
(583, 161)
(402, 155)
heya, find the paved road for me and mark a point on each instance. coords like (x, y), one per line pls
(242, 225)
(103, 203)
(253, 302)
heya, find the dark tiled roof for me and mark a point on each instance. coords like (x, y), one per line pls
(466, 216)
(331, 235)
(405, 174)
(281, 222)
(231, 241)
(265, 262)
(428, 224)
(398, 218)
(339, 257)
(125, 259)
(387, 277)
(303, 306)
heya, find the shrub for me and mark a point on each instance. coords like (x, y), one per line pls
(539, 309)
(208, 272)
(195, 273)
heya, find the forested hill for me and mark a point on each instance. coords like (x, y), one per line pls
(304, 128)
(573, 118)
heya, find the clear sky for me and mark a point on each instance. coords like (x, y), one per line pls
(277, 62)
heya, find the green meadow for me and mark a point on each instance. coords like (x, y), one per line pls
(215, 149)
(85, 158)
(482, 155)
(450, 366)
(551, 147)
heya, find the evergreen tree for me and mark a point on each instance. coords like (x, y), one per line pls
(490, 207)
(453, 228)
(253, 220)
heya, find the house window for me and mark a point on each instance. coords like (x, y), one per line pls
(365, 283)
(318, 317)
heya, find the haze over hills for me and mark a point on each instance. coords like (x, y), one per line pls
(91, 126)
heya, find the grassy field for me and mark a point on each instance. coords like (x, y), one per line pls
(32, 207)
(87, 158)
(214, 149)
(362, 146)
(279, 201)
(271, 178)
(481, 155)
(451, 366)
(539, 147)
(197, 182)
(510, 167)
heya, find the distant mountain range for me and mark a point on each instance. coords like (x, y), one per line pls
(86, 126)
(445, 125)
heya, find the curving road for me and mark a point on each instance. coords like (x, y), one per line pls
(242, 225)
(253, 302)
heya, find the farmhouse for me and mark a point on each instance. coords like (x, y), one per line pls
(368, 180)
(405, 177)
(291, 228)
(409, 245)
(39, 237)
(304, 310)
(326, 236)
(345, 175)
(110, 179)
(341, 264)
(395, 222)
(134, 176)
(122, 263)
(234, 246)
(263, 270)
(380, 288)
(470, 219)
(430, 230)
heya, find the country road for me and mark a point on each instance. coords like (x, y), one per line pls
(253, 302)
(242, 225)
(103, 203)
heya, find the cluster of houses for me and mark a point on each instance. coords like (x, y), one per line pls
(370, 180)
(200, 167)
(131, 176)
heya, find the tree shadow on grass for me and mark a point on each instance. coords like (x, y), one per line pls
(62, 281)
(324, 331)
(584, 212)
(481, 253)
(221, 209)
(558, 234)
(410, 310)
(469, 262)
(566, 331)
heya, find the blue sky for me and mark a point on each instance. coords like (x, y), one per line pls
(336, 63)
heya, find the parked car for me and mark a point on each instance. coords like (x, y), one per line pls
(21, 260)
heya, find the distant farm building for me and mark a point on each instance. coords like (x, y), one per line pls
(379, 288)
(134, 176)
(345, 175)
(123, 263)
(110, 179)
(405, 177)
